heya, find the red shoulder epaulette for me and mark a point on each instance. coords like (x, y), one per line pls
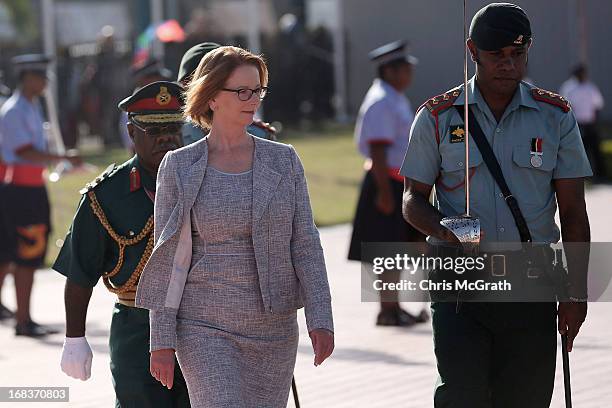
(439, 103)
(552, 98)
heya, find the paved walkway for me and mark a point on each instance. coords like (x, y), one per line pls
(371, 367)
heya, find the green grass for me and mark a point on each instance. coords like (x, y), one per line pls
(333, 170)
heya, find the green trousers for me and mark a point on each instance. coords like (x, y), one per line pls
(494, 355)
(134, 385)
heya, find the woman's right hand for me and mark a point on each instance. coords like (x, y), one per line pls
(162, 366)
(322, 344)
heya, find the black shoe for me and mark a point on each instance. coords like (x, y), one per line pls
(422, 317)
(32, 329)
(49, 329)
(405, 318)
(395, 317)
(5, 313)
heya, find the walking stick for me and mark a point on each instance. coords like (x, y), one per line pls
(296, 400)
(566, 372)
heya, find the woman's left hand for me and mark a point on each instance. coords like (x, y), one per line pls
(322, 344)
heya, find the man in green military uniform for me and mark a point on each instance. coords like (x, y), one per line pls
(500, 354)
(112, 237)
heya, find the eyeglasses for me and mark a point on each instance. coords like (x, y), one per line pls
(245, 94)
(155, 131)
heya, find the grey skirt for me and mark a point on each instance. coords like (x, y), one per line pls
(232, 352)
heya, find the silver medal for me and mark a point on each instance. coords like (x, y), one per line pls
(536, 160)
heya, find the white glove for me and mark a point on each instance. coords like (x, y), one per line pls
(76, 358)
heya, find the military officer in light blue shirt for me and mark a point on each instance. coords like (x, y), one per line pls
(24, 213)
(526, 121)
(381, 135)
(500, 354)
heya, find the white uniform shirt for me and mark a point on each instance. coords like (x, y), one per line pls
(585, 98)
(385, 116)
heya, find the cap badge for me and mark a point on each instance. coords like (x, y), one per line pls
(519, 40)
(163, 97)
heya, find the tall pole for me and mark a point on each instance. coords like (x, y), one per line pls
(571, 30)
(253, 26)
(172, 9)
(50, 95)
(49, 45)
(466, 110)
(157, 16)
(582, 31)
(340, 94)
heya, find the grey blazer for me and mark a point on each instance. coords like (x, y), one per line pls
(288, 252)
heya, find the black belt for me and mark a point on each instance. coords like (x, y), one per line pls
(530, 272)
(531, 262)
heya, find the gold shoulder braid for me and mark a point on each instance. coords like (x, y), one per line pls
(130, 284)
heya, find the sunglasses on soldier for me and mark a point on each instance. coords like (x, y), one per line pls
(156, 130)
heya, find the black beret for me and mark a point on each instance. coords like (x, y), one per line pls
(499, 25)
(158, 102)
(192, 58)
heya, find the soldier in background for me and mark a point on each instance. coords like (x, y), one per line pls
(586, 100)
(25, 211)
(381, 133)
(100, 89)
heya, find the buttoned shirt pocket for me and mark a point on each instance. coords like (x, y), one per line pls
(451, 179)
(532, 184)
